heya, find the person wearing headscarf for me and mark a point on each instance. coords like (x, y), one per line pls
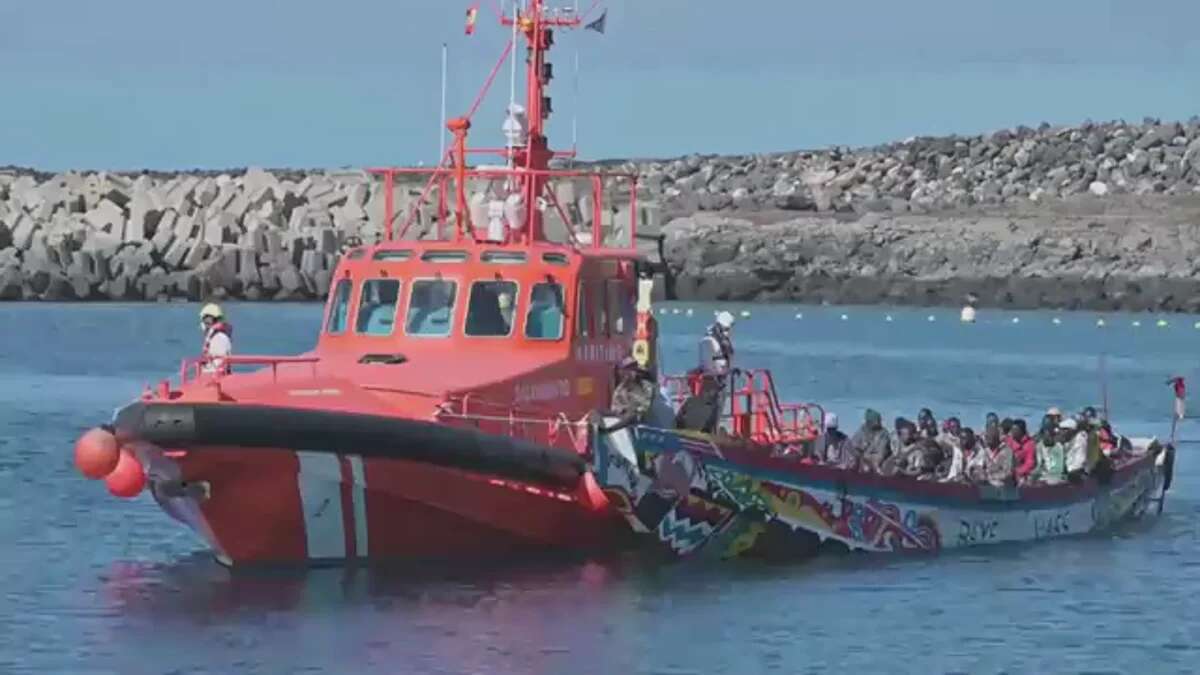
(871, 445)
(831, 444)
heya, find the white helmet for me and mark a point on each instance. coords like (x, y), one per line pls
(725, 320)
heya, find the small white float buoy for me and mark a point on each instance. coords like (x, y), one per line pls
(800, 315)
(1056, 321)
(888, 317)
(1162, 323)
(967, 315)
(1137, 323)
(662, 310)
(844, 317)
(1100, 322)
(745, 313)
(931, 318)
(1016, 319)
(689, 311)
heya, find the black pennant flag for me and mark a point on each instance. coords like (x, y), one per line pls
(598, 24)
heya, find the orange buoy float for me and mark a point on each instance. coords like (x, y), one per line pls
(96, 453)
(128, 479)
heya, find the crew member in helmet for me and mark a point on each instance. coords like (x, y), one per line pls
(218, 339)
(716, 348)
(716, 364)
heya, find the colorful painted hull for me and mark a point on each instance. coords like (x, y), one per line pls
(726, 499)
(289, 507)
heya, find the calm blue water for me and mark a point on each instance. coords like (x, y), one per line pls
(90, 584)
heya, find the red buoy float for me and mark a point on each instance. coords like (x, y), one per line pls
(96, 453)
(128, 479)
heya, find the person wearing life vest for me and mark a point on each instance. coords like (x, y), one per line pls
(716, 347)
(218, 340)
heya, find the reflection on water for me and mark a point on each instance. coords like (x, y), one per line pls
(92, 584)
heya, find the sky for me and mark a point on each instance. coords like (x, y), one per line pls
(133, 84)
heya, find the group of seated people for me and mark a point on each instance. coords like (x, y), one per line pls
(1065, 448)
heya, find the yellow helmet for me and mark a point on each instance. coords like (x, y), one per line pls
(212, 310)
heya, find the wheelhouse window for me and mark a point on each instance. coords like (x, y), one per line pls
(545, 318)
(377, 307)
(490, 309)
(336, 322)
(431, 307)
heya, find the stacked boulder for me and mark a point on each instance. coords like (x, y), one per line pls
(932, 174)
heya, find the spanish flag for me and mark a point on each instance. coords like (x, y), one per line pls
(472, 12)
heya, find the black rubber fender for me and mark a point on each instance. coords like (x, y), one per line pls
(196, 425)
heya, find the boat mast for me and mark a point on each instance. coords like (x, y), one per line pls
(538, 28)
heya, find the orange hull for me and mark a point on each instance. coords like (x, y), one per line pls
(287, 507)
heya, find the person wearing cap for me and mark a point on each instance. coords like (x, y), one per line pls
(1054, 414)
(633, 397)
(831, 444)
(1075, 445)
(218, 340)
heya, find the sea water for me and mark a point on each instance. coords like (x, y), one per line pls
(93, 584)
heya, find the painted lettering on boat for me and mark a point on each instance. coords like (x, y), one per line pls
(314, 392)
(977, 531)
(599, 352)
(543, 391)
(1050, 525)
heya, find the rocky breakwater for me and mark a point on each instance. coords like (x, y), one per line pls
(929, 174)
(1103, 261)
(252, 235)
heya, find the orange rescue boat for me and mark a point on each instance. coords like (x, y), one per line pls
(443, 410)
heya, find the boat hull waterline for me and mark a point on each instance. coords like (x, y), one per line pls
(697, 496)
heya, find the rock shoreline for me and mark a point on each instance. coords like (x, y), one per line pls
(1096, 216)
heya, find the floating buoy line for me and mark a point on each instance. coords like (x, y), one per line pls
(968, 316)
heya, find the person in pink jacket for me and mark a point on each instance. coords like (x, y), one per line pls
(1024, 451)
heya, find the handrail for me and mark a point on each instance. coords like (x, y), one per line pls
(764, 419)
(191, 368)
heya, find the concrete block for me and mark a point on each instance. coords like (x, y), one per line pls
(274, 242)
(205, 192)
(107, 217)
(269, 278)
(290, 281)
(178, 251)
(164, 231)
(256, 179)
(217, 228)
(327, 240)
(23, 231)
(299, 219)
(225, 197)
(196, 254)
